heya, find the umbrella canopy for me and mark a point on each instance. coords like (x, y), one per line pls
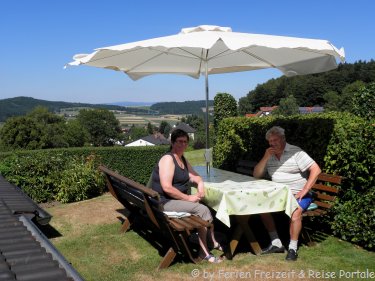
(208, 49)
(217, 50)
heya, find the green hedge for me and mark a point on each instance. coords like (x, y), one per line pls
(241, 137)
(340, 143)
(71, 174)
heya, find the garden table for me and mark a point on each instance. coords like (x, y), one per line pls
(230, 193)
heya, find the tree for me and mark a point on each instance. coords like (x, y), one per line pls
(343, 102)
(162, 126)
(245, 106)
(225, 106)
(264, 94)
(102, 126)
(75, 134)
(332, 101)
(195, 121)
(150, 128)
(364, 102)
(167, 130)
(136, 133)
(348, 93)
(309, 89)
(37, 130)
(287, 106)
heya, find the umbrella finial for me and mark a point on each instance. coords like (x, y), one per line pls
(205, 28)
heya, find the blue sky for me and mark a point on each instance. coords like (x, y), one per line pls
(37, 38)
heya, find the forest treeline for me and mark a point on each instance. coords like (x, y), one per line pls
(19, 106)
(311, 90)
(186, 107)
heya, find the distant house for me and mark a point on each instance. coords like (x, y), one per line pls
(185, 127)
(312, 109)
(264, 111)
(150, 140)
(250, 115)
(210, 110)
(267, 110)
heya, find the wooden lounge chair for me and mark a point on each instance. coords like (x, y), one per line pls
(143, 204)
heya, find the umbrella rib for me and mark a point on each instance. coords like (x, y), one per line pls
(189, 55)
(114, 55)
(154, 49)
(192, 54)
(165, 53)
(202, 54)
(272, 65)
(143, 62)
(258, 58)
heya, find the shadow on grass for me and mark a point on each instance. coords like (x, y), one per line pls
(317, 229)
(155, 237)
(49, 231)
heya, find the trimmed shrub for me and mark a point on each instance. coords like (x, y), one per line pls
(354, 219)
(35, 173)
(79, 181)
(40, 172)
(341, 143)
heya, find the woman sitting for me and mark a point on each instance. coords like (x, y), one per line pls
(171, 177)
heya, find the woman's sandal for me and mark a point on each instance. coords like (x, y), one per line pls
(219, 247)
(212, 259)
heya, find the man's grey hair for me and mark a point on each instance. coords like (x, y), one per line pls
(275, 130)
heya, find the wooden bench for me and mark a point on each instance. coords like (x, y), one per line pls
(324, 191)
(144, 204)
(246, 167)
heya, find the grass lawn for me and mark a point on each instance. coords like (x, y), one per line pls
(89, 238)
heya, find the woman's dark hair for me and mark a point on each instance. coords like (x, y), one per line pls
(177, 134)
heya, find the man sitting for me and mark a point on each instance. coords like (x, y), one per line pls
(287, 164)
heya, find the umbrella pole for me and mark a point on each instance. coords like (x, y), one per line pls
(207, 154)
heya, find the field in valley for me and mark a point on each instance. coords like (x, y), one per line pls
(127, 120)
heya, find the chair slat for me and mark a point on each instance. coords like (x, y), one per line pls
(330, 178)
(325, 192)
(319, 186)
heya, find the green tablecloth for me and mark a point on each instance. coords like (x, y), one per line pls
(230, 193)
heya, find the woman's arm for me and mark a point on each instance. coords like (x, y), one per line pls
(197, 179)
(166, 172)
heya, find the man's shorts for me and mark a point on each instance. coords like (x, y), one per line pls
(305, 201)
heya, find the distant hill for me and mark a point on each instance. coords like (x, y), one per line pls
(132, 103)
(186, 107)
(22, 105)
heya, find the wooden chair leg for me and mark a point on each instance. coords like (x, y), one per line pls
(167, 259)
(187, 251)
(125, 225)
(306, 237)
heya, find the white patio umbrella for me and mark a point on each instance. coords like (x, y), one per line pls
(208, 49)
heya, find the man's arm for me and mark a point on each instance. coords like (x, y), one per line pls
(314, 173)
(260, 168)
